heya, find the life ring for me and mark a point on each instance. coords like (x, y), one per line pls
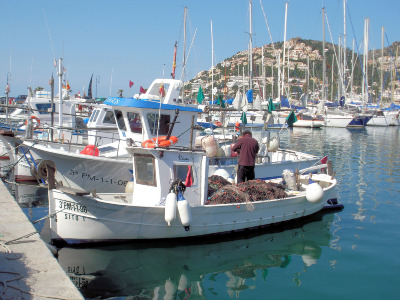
(37, 122)
(237, 126)
(218, 123)
(161, 141)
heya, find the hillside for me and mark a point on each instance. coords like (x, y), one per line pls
(304, 56)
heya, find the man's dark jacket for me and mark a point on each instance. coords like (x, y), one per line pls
(247, 147)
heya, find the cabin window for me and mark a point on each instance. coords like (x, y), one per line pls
(145, 169)
(94, 116)
(120, 120)
(44, 108)
(134, 122)
(156, 89)
(109, 117)
(152, 119)
(182, 171)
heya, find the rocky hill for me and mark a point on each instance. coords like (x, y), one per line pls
(305, 69)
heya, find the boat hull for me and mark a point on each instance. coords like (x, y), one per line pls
(93, 219)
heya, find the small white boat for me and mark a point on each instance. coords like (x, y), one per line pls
(159, 209)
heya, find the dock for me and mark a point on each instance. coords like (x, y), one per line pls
(28, 269)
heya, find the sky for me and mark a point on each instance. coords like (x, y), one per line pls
(130, 40)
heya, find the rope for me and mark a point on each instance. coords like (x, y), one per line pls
(36, 231)
(8, 172)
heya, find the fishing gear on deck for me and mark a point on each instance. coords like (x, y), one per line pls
(248, 191)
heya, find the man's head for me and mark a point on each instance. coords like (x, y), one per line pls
(246, 132)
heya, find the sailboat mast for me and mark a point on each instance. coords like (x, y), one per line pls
(365, 63)
(383, 32)
(251, 48)
(344, 49)
(284, 50)
(263, 72)
(184, 55)
(323, 55)
(340, 78)
(212, 65)
(60, 75)
(352, 69)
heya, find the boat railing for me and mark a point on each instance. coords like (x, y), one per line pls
(74, 140)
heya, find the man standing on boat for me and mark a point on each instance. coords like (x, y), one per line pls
(247, 147)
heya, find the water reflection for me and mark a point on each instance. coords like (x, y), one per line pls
(170, 270)
(30, 195)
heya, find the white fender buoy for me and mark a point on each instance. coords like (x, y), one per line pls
(223, 173)
(170, 208)
(273, 144)
(183, 282)
(208, 131)
(170, 289)
(129, 187)
(227, 150)
(314, 193)
(185, 213)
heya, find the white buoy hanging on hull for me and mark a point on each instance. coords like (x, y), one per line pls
(170, 208)
(273, 144)
(314, 193)
(185, 213)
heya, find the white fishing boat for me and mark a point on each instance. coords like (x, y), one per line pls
(160, 207)
(153, 206)
(109, 168)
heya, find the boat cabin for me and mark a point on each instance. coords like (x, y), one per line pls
(159, 137)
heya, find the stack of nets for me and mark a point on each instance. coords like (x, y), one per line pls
(221, 191)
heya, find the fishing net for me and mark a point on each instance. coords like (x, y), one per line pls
(216, 182)
(220, 191)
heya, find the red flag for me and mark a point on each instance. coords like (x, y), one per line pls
(189, 178)
(142, 90)
(130, 83)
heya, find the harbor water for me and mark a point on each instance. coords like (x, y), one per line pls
(348, 254)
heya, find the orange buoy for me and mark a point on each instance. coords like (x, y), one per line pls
(91, 150)
(161, 141)
(37, 121)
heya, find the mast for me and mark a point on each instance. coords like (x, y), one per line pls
(365, 62)
(284, 50)
(308, 78)
(340, 78)
(372, 72)
(279, 76)
(323, 54)
(7, 92)
(263, 72)
(272, 86)
(212, 65)
(352, 70)
(344, 49)
(394, 72)
(333, 79)
(184, 55)
(174, 61)
(383, 32)
(60, 75)
(251, 48)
